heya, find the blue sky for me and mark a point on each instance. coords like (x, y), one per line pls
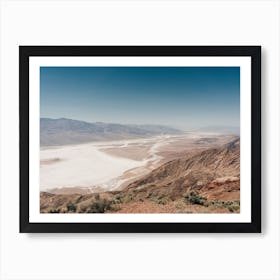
(182, 97)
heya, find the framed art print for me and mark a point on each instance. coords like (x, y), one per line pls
(140, 138)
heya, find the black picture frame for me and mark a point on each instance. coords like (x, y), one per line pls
(25, 52)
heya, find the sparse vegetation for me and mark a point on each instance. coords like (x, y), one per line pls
(97, 207)
(126, 199)
(231, 206)
(194, 198)
(162, 200)
(100, 206)
(54, 211)
(71, 207)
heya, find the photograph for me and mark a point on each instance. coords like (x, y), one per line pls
(139, 140)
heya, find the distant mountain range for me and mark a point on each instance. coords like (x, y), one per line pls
(67, 131)
(234, 130)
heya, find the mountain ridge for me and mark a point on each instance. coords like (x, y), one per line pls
(64, 131)
(193, 172)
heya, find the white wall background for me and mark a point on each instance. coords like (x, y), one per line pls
(135, 256)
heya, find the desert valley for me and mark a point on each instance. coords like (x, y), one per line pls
(113, 168)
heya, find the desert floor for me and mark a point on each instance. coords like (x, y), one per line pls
(107, 166)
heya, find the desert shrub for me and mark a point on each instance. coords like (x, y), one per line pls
(97, 196)
(115, 207)
(54, 211)
(71, 207)
(97, 207)
(180, 206)
(194, 198)
(197, 199)
(236, 208)
(100, 206)
(121, 199)
(117, 199)
(126, 199)
(162, 200)
(228, 203)
(186, 197)
(206, 203)
(82, 208)
(232, 206)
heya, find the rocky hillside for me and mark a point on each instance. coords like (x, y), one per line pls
(193, 172)
(208, 181)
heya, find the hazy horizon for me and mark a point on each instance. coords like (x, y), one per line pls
(209, 128)
(181, 97)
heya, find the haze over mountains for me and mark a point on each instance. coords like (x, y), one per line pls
(231, 130)
(67, 131)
